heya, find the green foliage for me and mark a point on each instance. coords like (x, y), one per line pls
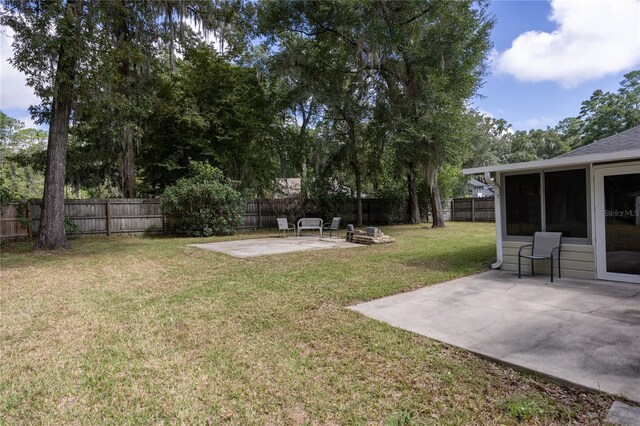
(205, 203)
(326, 199)
(605, 113)
(387, 85)
(396, 206)
(489, 141)
(7, 195)
(401, 418)
(527, 407)
(20, 179)
(350, 96)
(209, 110)
(452, 182)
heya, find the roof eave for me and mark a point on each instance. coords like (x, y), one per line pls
(557, 162)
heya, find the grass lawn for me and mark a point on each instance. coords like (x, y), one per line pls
(148, 330)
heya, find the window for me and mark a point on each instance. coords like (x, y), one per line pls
(523, 207)
(565, 203)
(565, 200)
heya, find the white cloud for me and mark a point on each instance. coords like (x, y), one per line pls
(537, 122)
(485, 113)
(29, 123)
(14, 92)
(593, 38)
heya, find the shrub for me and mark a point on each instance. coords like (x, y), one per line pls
(205, 203)
(325, 200)
(395, 209)
(7, 195)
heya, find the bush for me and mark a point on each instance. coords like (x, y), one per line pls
(395, 208)
(205, 203)
(7, 195)
(325, 200)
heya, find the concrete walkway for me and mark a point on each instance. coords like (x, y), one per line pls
(275, 245)
(582, 332)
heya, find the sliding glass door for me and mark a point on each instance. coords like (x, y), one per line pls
(618, 222)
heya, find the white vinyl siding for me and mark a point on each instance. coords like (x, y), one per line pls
(577, 261)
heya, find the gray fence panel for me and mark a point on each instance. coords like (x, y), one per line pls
(473, 209)
(138, 216)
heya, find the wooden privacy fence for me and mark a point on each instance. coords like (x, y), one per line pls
(112, 216)
(264, 212)
(138, 216)
(473, 209)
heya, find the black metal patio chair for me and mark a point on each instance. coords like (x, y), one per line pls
(333, 226)
(545, 244)
(284, 226)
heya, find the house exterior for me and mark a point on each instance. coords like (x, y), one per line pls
(591, 194)
(479, 189)
(288, 187)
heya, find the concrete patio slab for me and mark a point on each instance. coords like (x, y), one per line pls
(269, 246)
(622, 414)
(582, 332)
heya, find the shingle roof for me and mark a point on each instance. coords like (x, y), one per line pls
(623, 141)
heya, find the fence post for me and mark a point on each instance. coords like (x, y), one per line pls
(164, 219)
(259, 214)
(453, 210)
(108, 209)
(473, 209)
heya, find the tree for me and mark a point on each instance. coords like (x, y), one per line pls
(601, 115)
(425, 58)
(605, 113)
(342, 85)
(17, 146)
(211, 111)
(486, 141)
(435, 52)
(289, 72)
(33, 46)
(629, 91)
(118, 89)
(74, 35)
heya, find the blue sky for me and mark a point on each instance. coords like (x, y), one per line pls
(548, 57)
(540, 98)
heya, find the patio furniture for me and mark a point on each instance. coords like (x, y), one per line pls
(350, 231)
(310, 223)
(333, 226)
(543, 247)
(284, 226)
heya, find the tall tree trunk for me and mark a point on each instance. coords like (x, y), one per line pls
(128, 164)
(355, 164)
(434, 197)
(127, 145)
(414, 207)
(358, 175)
(302, 139)
(52, 235)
